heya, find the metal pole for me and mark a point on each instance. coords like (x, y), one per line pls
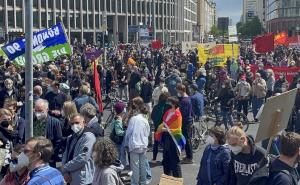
(28, 70)
(153, 20)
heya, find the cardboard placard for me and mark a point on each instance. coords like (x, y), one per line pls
(275, 115)
(168, 180)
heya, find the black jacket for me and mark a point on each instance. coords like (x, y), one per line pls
(242, 166)
(282, 174)
(146, 92)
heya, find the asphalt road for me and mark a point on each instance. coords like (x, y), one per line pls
(189, 171)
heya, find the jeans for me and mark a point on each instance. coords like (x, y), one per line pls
(186, 131)
(227, 118)
(155, 150)
(123, 90)
(122, 154)
(256, 104)
(138, 164)
(242, 104)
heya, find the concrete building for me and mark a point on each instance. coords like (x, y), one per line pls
(283, 15)
(83, 19)
(206, 18)
(223, 23)
(252, 8)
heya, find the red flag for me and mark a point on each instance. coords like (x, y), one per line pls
(97, 87)
(281, 39)
(264, 44)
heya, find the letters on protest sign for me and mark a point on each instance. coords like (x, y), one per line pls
(48, 44)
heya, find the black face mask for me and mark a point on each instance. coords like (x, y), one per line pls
(5, 124)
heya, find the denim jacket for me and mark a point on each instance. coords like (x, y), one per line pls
(214, 167)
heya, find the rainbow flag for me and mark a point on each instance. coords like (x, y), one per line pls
(172, 121)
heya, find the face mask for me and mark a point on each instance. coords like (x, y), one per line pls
(76, 128)
(298, 86)
(23, 160)
(210, 140)
(40, 115)
(223, 86)
(62, 113)
(179, 95)
(235, 149)
(161, 85)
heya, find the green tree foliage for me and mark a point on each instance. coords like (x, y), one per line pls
(250, 28)
(215, 31)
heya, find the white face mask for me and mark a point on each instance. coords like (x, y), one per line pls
(23, 160)
(14, 167)
(235, 149)
(161, 84)
(298, 85)
(76, 128)
(223, 86)
(210, 140)
(40, 115)
(62, 113)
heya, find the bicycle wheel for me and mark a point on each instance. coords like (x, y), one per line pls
(242, 118)
(195, 138)
(203, 131)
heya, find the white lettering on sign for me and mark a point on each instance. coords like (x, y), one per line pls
(41, 37)
(59, 52)
(13, 48)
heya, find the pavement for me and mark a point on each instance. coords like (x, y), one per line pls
(189, 171)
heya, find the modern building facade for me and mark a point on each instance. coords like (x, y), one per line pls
(206, 16)
(223, 23)
(283, 15)
(252, 8)
(84, 19)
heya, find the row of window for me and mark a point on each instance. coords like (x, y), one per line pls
(15, 20)
(284, 12)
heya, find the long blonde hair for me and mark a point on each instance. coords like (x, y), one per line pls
(236, 131)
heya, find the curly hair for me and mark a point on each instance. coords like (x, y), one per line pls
(106, 152)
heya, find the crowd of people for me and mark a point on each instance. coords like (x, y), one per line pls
(161, 93)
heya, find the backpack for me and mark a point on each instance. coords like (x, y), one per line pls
(261, 175)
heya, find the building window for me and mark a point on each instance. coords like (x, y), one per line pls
(65, 19)
(129, 6)
(91, 5)
(78, 21)
(91, 19)
(119, 6)
(97, 5)
(10, 3)
(72, 4)
(134, 7)
(19, 3)
(50, 19)
(78, 5)
(50, 4)
(143, 8)
(19, 18)
(113, 5)
(85, 20)
(57, 4)
(102, 5)
(65, 5)
(72, 21)
(35, 19)
(35, 4)
(108, 6)
(97, 21)
(84, 5)
(44, 19)
(124, 6)
(138, 7)
(10, 15)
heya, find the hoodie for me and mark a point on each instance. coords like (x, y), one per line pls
(242, 166)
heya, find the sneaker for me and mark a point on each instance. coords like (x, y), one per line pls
(187, 161)
(130, 173)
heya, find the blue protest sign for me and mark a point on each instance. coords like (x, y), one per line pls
(43, 39)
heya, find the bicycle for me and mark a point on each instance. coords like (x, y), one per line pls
(112, 112)
(198, 134)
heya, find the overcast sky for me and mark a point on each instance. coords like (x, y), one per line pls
(230, 8)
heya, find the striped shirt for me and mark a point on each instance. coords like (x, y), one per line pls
(45, 175)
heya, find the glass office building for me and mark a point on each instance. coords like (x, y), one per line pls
(283, 15)
(83, 19)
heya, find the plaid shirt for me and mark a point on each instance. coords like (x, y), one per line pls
(45, 175)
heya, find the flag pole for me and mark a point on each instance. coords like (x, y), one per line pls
(28, 69)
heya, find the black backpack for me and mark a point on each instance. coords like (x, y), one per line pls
(261, 175)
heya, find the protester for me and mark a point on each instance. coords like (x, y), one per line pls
(282, 169)
(77, 163)
(243, 90)
(185, 106)
(157, 117)
(158, 91)
(117, 131)
(105, 157)
(89, 113)
(9, 91)
(37, 154)
(170, 133)
(214, 166)
(259, 92)
(84, 98)
(245, 156)
(18, 172)
(47, 126)
(270, 83)
(197, 100)
(136, 139)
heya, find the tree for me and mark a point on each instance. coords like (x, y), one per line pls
(250, 28)
(215, 31)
